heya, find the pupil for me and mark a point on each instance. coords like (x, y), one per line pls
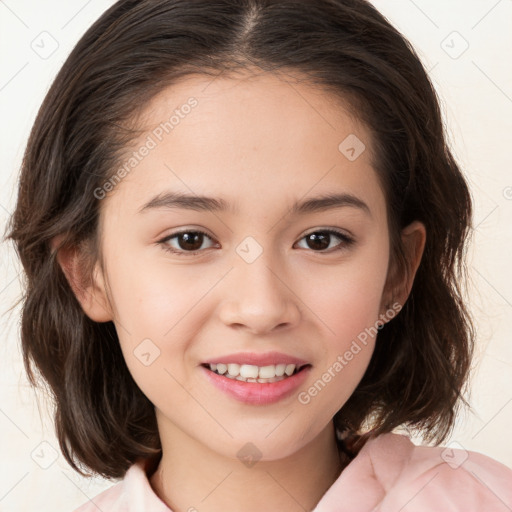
(189, 240)
(322, 239)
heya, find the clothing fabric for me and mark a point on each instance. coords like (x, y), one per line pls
(389, 474)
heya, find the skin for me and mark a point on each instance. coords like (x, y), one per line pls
(260, 143)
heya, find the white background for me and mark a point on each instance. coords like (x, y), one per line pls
(476, 95)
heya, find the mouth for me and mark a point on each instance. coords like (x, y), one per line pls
(257, 385)
(251, 373)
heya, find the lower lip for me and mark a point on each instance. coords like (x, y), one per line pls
(257, 393)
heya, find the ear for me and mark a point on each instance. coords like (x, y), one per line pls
(398, 288)
(91, 295)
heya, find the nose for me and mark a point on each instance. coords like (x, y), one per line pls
(260, 298)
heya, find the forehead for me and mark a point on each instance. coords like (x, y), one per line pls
(248, 137)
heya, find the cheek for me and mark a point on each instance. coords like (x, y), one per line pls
(159, 309)
(345, 297)
(348, 309)
(356, 308)
(349, 340)
(151, 326)
(151, 297)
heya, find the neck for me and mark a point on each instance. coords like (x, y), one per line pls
(192, 477)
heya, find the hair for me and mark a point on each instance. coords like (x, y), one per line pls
(420, 366)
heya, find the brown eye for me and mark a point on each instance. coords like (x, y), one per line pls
(320, 240)
(189, 241)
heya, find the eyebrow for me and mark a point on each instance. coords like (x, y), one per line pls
(205, 203)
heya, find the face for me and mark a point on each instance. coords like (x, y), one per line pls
(264, 277)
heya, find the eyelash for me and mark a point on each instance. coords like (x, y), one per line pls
(348, 241)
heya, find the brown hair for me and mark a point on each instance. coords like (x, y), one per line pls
(136, 48)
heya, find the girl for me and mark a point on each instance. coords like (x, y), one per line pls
(243, 233)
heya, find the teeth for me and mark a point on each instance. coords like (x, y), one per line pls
(249, 371)
(233, 369)
(266, 372)
(290, 368)
(252, 373)
(280, 368)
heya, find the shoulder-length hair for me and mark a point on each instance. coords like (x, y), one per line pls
(419, 368)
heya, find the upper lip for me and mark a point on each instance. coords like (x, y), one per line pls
(264, 359)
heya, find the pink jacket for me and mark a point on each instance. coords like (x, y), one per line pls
(390, 474)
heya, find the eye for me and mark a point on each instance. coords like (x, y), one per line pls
(321, 239)
(190, 241)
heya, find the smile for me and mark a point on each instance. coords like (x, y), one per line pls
(253, 373)
(256, 390)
